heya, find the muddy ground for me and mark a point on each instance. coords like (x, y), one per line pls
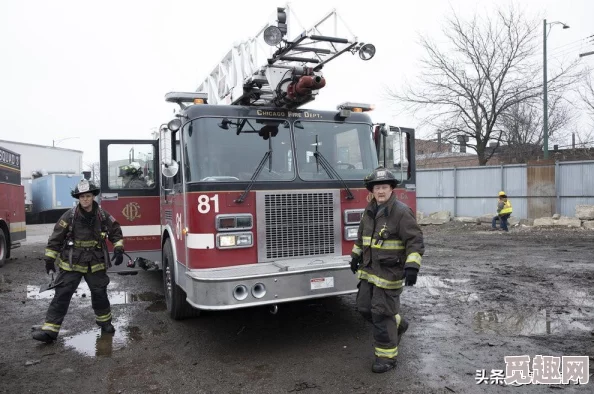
(481, 296)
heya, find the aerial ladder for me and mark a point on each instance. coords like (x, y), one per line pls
(288, 73)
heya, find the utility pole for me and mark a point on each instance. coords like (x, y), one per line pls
(545, 131)
(545, 103)
(439, 141)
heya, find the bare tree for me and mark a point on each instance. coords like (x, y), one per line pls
(522, 127)
(95, 173)
(586, 92)
(488, 66)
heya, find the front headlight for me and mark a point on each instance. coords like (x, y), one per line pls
(226, 241)
(237, 240)
(350, 233)
(244, 240)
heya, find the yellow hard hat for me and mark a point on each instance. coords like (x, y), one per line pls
(502, 193)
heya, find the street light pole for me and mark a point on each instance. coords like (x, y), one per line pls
(545, 99)
(544, 92)
(63, 139)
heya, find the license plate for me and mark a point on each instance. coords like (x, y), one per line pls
(321, 283)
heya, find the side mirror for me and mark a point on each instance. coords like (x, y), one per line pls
(169, 167)
(169, 170)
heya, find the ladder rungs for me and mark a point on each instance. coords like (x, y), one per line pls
(309, 49)
(330, 39)
(297, 59)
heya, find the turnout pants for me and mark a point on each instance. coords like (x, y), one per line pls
(381, 307)
(58, 308)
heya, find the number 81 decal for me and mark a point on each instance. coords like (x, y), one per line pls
(204, 202)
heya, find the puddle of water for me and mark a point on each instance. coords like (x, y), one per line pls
(579, 298)
(432, 282)
(533, 322)
(157, 306)
(459, 289)
(33, 292)
(94, 343)
(124, 297)
(115, 297)
(457, 280)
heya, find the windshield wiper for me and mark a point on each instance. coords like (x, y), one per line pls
(267, 155)
(330, 170)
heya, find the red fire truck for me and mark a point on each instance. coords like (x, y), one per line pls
(246, 199)
(12, 204)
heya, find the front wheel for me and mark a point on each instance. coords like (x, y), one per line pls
(175, 297)
(3, 248)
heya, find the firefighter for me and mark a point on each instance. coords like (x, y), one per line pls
(78, 246)
(386, 255)
(132, 175)
(504, 211)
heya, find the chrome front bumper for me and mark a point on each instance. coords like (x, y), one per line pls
(284, 281)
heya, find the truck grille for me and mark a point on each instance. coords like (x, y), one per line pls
(299, 224)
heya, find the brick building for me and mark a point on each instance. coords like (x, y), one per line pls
(433, 154)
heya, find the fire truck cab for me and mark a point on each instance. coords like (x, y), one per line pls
(246, 206)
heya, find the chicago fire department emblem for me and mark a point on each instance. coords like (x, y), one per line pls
(131, 211)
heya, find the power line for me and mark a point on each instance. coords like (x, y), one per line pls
(558, 51)
(571, 43)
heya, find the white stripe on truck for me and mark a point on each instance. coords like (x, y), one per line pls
(141, 231)
(16, 227)
(200, 241)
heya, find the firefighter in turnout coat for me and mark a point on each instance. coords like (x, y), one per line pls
(385, 257)
(132, 176)
(78, 246)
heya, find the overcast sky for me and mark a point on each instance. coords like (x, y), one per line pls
(96, 70)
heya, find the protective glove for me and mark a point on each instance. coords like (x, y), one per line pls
(118, 255)
(355, 262)
(410, 276)
(49, 264)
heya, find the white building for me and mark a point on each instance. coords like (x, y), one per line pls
(44, 159)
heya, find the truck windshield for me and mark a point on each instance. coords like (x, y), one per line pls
(348, 147)
(230, 150)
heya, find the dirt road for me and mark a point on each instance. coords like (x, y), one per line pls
(481, 296)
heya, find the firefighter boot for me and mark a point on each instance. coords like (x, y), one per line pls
(107, 327)
(381, 365)
(44, 336)
(402, 328)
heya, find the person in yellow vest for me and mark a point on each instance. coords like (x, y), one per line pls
(504, 211)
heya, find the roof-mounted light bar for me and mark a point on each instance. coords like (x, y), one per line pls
(355, 107)
(181, 98)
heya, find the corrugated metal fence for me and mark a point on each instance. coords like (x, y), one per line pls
(535, 190)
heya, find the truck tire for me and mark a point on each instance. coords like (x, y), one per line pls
(175, 297)
(3, 248)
